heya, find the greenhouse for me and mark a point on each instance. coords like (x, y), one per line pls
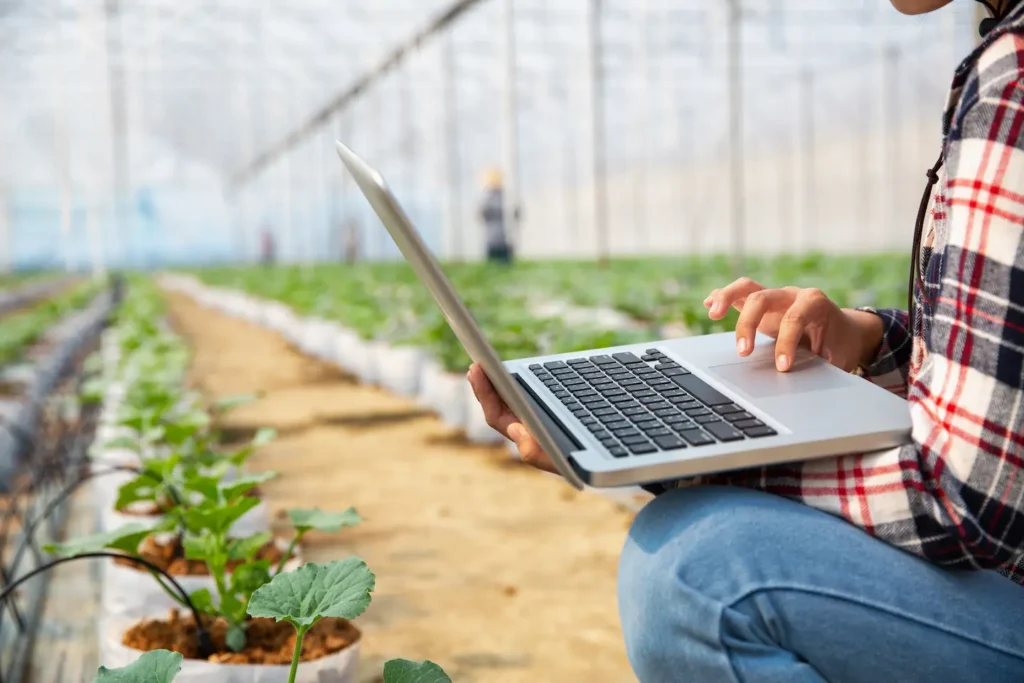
(277, 409)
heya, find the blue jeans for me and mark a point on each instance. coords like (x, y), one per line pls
(723, 584)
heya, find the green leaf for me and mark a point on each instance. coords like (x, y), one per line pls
(127, 442)
(263, 437)
(242, 485)
(246, 548)
(405, 671)
(336, 589)
(230, 402)
(156, 666)
(248, 577)
(207, 487)
(235, 638)
(304, 520)
(125, 539)
(203, 546)
(202, 600)
(142, 487)
(217, 518)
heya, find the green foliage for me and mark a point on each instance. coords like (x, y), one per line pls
(313, 591)
(156, 666)
(21, 330)
(125, 539)
(305, 520)
(405, 671)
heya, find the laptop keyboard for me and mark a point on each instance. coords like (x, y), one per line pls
(639, 405)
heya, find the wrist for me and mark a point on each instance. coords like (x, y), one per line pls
(870, 331)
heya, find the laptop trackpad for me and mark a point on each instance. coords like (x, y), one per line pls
(760, 379)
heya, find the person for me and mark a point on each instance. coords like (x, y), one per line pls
(492, 215)
(900, 565)
(268, 250)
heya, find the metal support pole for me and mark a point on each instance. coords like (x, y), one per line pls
(641, 122)
(597, 126)
(737, 170)
(810, 178)
(62, 154)
(118, 122)
(510, 125)
(450, 135)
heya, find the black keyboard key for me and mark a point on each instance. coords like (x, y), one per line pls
(641, 417)
(580, 412)
(578, 361)
(674, 372)
(669, 442)
(602, 412)
(728, 408)
(602, 434)
(660, 382)
(633, 438)
(627, 431)
(658, 405)
(758, 432)
(609, 443)
(592, 376)
(612, 425)
(654, 352)
(623, 405)
(682, 426)
(588, 421)
(650, 400)
(554, 364)
(745, 424)
(647, 424)
(696, 437)
(670, 391)
(596, 427)
(646, 396)
(697, 412)
(667, 412)
(641, 448)
(625, 358)
(575, 384)
(667, 364)
(683, 402)
(659, 431)
(647, 375)
(724, 431)
(707, 419)
(572, 405)
(618, 452)
(701, 390)
(592, 401)
(648, 358)
(606, 385)
(535, 367)
(738, 417)
(561, 393)
(583, 393)
(634, 411)
(602, 360)
(622, 401)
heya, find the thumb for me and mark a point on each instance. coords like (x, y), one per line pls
(516, 432)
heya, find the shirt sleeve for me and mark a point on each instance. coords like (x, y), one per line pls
(891, 366)
(955, 495)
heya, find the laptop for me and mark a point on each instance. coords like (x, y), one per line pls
(662, 410)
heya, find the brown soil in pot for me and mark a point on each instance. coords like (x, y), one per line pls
(267, 642)
(170, 557)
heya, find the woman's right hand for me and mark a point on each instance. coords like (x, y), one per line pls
(798, 317)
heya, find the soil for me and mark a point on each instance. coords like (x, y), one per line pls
(497, 572)
(267, 642)
(170, 558)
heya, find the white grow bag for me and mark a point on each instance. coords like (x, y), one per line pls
(341, 667)
(442, 392)
(129, 592)
(399, 368)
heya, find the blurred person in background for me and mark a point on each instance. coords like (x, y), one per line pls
(900, 565)
(268, 249)
(492, 215)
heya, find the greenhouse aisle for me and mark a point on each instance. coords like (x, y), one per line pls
(497, 572)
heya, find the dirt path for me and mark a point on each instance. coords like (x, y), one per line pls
(499, 573)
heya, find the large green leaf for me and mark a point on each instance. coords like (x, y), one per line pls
(156, 666)
(246, 548)
(304, 520)
(142, 487)
(125, 539)
(405, 671)
(337, 589)
(217, 518)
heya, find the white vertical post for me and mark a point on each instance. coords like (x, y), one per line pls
(893, 139)
(597, 124)
(118, 123)
(61, 152)
(451, 172)
(737, 170)
(510, 124)
(641, 121)
(810, 172)
(6, 257)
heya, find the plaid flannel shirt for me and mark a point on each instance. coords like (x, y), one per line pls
(955, 495)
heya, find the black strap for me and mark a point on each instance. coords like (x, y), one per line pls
(922, 213)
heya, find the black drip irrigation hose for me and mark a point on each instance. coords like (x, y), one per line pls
(203, 642)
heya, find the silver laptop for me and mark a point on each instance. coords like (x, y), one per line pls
(666, 409)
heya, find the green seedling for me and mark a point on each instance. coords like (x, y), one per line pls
(158, 666)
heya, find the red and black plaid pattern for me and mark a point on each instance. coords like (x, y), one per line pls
(956, 494)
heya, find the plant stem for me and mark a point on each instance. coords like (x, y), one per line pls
(288, 553)
(300, 633)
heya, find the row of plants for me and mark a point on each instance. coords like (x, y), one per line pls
(194, 580)
(19, 331)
